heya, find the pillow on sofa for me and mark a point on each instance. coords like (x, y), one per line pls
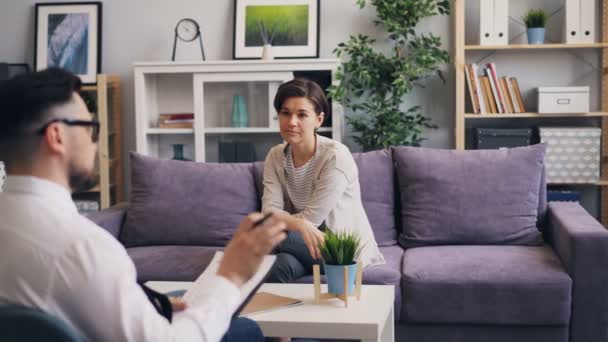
(469, 197)
(186, 203)
(377, 180)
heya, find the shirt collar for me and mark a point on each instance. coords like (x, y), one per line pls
(39, 187)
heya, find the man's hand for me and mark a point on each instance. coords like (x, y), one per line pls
(177, 304)
(312, 236)
(244, 253)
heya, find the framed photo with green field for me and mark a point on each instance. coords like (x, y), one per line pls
(291, 27)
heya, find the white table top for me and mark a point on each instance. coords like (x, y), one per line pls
(329, 319)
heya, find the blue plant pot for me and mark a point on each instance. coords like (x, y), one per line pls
(536, 35)
(335, 278)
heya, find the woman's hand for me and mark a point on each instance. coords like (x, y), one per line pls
(313, 238)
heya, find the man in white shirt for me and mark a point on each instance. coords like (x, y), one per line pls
(53, 259)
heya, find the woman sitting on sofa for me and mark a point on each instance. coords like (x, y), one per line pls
(312, 183)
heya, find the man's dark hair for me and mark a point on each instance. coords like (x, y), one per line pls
(301, 87)
(25, 103)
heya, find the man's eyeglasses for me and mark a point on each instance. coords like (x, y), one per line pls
(94, 124)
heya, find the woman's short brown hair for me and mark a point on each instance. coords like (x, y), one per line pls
(301, 87)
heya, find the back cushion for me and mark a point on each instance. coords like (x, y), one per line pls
(376, 177)
(469, 197)
(186, 203)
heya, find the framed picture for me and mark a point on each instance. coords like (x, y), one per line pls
(68, 36)
(292, 26)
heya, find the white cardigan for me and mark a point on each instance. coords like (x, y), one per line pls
(336, 197)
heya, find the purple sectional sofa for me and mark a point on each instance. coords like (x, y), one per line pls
(472, 248)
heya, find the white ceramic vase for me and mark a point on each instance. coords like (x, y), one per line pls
(267, 52)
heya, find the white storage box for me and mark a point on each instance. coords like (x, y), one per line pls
(573, 154)
(557, 100)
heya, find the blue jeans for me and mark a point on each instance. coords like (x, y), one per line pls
(243, 330)
(293, 260)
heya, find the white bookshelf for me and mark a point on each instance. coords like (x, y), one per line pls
(207, 89)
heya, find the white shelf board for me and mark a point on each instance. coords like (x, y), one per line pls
(531, 115)
(170, 131)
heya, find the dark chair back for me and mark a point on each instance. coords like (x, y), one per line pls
(18, 323)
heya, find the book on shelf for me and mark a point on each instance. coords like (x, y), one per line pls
(176, 120)
(520, 101)
(500, 97)
(488, 96)
(507, 97)
(470, 86)
(491, 93)
(493, 87)
(512, 95)
(478, 90)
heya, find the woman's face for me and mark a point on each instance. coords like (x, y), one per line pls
(298, 120)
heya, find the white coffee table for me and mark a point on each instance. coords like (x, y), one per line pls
(370, 319)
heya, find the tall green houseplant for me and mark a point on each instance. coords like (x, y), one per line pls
(373, 84)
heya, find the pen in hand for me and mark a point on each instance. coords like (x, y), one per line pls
(262, 220)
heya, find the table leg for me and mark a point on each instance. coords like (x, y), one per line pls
(388, 333)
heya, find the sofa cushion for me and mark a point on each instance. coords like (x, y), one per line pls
(171, 263)
(376, 177)
(469, 197)
(186, 203)
(485, 285)
(386, 274)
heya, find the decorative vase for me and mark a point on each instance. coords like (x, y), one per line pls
(335, 278)
(178, 152)
(267, 52)
(240, 116)
(536, 35)
(2, 176)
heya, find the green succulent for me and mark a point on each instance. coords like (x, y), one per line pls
(535, 18)
(340, 248)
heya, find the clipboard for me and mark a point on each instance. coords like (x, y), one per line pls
(248, 290)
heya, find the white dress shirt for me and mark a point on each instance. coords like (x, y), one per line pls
(56, 260)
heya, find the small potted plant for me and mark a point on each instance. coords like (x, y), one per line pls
(267, 36)
(535, 21)
(340, 249)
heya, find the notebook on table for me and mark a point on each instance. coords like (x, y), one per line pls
(262, 302)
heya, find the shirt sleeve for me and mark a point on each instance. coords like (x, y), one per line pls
(329, 189)
(273, 191)
(95, 287)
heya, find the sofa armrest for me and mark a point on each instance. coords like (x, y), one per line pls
(110, 219)
(582, 245)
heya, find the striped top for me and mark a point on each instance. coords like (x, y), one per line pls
(299, 181)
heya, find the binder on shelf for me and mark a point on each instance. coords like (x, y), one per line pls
(486, 22)
(572, 19)
(494, 22)
(587, 20)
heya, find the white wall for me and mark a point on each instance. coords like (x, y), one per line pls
(142, 30)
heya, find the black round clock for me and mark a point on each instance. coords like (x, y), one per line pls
(187, 30)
